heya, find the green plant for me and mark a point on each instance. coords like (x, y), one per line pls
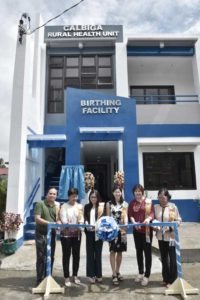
(3, 193)
(10, 223)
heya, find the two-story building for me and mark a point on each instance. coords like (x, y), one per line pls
(86, 98)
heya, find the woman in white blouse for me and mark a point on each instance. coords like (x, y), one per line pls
(71, 212)
(92, 212)
(166, 211)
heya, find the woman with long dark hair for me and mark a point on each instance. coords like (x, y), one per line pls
(117, 208)
(92, 212)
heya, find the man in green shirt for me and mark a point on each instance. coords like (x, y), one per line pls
(45, 212)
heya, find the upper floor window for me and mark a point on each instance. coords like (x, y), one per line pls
(86, 72)
(175, 171)
(153, 94)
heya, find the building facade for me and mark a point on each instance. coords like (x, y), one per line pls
(84, 96)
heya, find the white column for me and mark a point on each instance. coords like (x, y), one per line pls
(121, 70)
(120, 156)
(196, 68)
(21, 93)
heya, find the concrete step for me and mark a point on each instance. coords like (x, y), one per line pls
(29, 226)
(29, 235)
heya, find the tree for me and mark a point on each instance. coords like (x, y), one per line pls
(3, 193)
(2, 163)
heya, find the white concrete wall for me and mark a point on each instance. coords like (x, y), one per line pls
(176, 71)
(185, 113)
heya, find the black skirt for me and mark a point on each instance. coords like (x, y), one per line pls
(119, 244)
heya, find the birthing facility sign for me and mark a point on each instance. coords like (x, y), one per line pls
(100, 106)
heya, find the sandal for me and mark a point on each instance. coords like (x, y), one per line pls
(115, 280)
(120, 277)
(76, 280)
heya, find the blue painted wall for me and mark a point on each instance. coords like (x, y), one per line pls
(126, 117)
(189, 209)
(169, 130)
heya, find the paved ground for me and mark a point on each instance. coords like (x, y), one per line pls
(18, 284)
(17, 276)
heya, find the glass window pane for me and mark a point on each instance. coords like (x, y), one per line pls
(59, 107)
(88, 70)
(56, 83)
(88, 80)
(151, 95)
(88, 61)
(163, 95)
(56, 72)
(104, 72)
(73, 82)
(72, 61)
(104, 61)
(56, 61)
(55, 95)
(174, 171)
(72, 72)
(104, 80)
(138, 94)
(55, 107)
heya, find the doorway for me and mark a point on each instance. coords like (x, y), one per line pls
(102, 159)
(54, 159)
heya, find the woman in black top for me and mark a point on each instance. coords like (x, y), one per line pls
(92, 212)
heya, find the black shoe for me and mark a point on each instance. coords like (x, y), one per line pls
(115, 280)
(120, 277)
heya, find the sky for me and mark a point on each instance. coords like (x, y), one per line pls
(139, 17)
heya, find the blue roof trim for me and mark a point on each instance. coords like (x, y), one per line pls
(157, 51)
(76, 51)
(46, 141)
(169, 130)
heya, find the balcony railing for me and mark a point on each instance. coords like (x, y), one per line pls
(165, 99)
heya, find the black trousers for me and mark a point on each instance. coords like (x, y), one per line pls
(168, 259)
(142, 247)
(94, 255)
(70, 244)
(41, 254)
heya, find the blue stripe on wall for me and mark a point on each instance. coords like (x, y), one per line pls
(169, 130)
(157, 51)
(147, 130)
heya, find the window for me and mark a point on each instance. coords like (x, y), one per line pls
(86, 72)
(153, 94)
(174, 171)
(55, 91)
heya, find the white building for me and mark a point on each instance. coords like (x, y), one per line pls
(83, 96)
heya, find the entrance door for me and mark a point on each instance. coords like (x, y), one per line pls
(102, 159)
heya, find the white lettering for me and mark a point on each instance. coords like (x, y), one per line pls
(82, 28)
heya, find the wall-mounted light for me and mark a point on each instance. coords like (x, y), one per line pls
(169, 148)
(162, 44)
(24, 26)
(80, 45)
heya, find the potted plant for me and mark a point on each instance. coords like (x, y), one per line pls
(10, 223)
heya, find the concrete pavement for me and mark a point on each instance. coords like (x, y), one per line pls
(17, 276)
